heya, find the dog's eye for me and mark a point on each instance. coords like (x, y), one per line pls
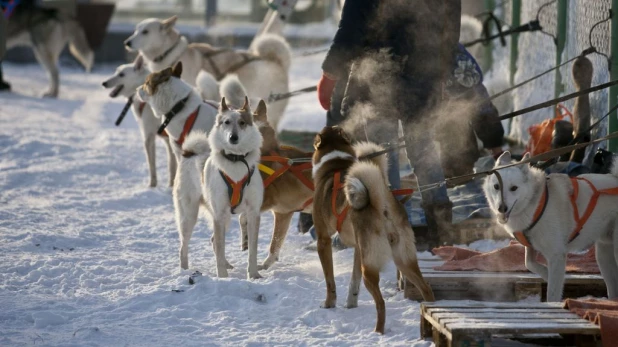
(241, 123)
(513, 188)
(121, 74)
(227, 122)
(496, 186)
(144, 32)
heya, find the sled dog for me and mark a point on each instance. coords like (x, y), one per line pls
(231, 183)
(558, 214)
(47, 31)
(263, 70)
(375, 222)
(124, 82)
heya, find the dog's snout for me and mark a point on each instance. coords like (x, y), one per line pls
(127, 43)
(104, 84)
(502, 208)
(233, 138)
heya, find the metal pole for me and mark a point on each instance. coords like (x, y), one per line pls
(613, 91)
(515, 22)
(563, 6)
(490, 5)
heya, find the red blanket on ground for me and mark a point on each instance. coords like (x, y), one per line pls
(604, 313)
(507, 259)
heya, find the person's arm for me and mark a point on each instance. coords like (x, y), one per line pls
(349, 40)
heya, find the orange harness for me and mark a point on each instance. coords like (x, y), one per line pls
(338, 185)
(188, 126)
(296, 170)
(235, 189)
(580, 221)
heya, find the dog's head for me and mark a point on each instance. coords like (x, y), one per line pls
(127, 78)
(163, 89)
(235, 131)
(331, 139)
(516, 192)
(149, 33)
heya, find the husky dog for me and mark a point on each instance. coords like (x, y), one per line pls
(263, 70)
(48, 31)
(555, 215)
(375, 223)
(231, 171)
(124, 82)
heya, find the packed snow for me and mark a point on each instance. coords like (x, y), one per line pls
(90, 253)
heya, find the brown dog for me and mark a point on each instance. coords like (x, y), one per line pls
(287, 189)
(376, 223)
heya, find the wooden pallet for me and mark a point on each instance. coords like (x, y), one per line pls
(474, 323)
(502, 286)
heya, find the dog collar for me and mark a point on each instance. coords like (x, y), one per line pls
(239, 158)
(174, 111)
(167, 52)
(538, 213)
(124, 111)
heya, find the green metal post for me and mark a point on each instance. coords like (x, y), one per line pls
(563, 6)
(490, 5)
(613, 91)
(515, 22)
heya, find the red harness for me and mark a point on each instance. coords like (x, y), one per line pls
(338, 185)
(580, 221)
(235, 189)
(188, 126)
(296, 170)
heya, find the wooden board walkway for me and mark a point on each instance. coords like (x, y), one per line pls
(502, 286)
(474, 323)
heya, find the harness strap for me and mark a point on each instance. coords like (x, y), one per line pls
(296, 170)
(218, 74)
(520, 236)
(235, 189)
(337, 186)
(188, 126)
(581, 221)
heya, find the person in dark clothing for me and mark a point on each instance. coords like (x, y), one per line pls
(398, 55)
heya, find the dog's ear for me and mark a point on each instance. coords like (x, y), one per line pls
(168, 23)
(223, 106)
(177, 69)
(317, 141)
(245, 107)
(343, 134)
(260, 114)
(503, 159)
(138, 64)
(525, 167)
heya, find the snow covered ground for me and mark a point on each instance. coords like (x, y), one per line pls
(89, 254)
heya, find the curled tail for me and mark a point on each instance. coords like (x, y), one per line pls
(274, 48)
(196, 144)
(233, 91)
(365, 185)
(207, 86)
(364, 148)
(78, 44)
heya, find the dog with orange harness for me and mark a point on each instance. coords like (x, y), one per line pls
(368, 216)
(555, 215)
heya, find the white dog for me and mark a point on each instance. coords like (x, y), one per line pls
(263, 70)
(231, 171)
(124, 82)
(555, 215)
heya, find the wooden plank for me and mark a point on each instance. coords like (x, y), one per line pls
(515, 323)
(472, 327)
(490, 310)
(505, 315)
(476, 304)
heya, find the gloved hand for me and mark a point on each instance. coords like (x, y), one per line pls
(325, 90)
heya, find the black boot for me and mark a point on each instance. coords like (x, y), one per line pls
(440, 231)
(4, 86)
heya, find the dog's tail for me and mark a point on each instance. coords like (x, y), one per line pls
(196, 144)
(78, 44)
(274, 48)
(364, 148)
(365, 185)
(233, 91)
(207, 86)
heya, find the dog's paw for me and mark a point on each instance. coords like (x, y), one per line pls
(222, 273)
(255, 276)
(351, 305)
(228, 265)
(50, 94)
(263, 267)
(152, 184)
(328, 304)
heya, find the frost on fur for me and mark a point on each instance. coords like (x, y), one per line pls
(274, 48)
(196, 143)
